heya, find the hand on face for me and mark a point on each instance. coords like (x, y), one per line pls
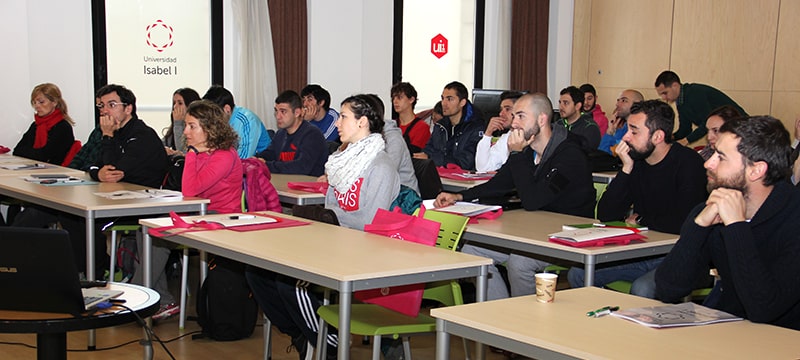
(178, 113)
(517, 141)
(496, 123)
(108, 125)
(622, 151)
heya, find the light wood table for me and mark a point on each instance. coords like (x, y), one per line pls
(561, 330)
(49, 169)
(604, 177)
(335, 257)
(453, 185)
(527, 232)
(295, 197)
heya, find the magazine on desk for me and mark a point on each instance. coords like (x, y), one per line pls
(464, 208)
(686, 314)
(610, 224)
(140, 194)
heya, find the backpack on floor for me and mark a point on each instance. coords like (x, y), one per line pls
(226, 309)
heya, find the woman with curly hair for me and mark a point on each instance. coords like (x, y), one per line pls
(212, 169)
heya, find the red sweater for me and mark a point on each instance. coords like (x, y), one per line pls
(216, 176)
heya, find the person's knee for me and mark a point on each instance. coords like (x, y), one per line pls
(575, 276)
(645, 285)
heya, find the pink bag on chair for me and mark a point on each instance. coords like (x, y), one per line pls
(404, 299)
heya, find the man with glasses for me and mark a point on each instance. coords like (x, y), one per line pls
(130, 150)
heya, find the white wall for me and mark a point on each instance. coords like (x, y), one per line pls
(45, 41)
(559, 47)
(350, 47)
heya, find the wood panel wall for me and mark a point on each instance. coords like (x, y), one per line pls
(748, 49)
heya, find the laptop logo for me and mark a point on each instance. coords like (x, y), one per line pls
(6, 269)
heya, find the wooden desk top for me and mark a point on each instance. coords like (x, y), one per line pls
(82, 197)
(453, 185)
(533, 227)
(330, 251)
(16, 160)
(604, 177)
(563, 327)
(296, 197)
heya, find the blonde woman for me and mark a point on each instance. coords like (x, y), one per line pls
(50, 136)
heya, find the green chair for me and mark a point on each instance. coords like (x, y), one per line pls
(376, 321)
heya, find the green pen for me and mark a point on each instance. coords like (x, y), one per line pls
(605, 310)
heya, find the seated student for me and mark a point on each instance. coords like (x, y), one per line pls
(660, 180)
(298, 147)
(174, 142)
(455, 136)
(396, 148)
(716, 119)
(253, 136)
(416, 132)
(492, 151)
(317, 111)
(362, 179)
(50, 136)
(570, 107)
(213, 171)
(549, 171)
(618, 126)
(747, 229)
(590, 106)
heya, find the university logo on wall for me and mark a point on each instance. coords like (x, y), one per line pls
(159, 35)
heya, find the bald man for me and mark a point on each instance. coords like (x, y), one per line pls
(618, 125)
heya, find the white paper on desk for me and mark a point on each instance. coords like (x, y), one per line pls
(26, 166)
(233, 220)
(462, 208)
(140, 194)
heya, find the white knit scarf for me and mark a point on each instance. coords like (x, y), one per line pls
(343, 168)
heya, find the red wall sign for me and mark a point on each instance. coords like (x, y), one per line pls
(439, 46)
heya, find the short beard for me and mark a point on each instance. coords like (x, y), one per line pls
(641, 155)
(532, 131)
(736, 182)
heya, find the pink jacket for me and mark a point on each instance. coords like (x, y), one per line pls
(216, 176)
(259, 192)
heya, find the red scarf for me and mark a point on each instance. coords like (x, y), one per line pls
(43, 126)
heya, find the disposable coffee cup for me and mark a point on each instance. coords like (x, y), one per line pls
(546, 287)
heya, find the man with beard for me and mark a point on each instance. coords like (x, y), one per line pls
(662, 183)
(548, 170)
(747, 229)
(618, 125)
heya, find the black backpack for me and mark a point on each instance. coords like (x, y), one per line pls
(226, 309)
(174, 175)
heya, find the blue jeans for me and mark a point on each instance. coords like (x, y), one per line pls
(521, 271)
(640, 273)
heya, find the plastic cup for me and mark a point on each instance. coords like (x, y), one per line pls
(546, 287)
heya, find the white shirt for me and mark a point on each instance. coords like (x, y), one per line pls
(490, 157)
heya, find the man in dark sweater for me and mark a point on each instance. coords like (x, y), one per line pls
(747, 229)
(570, 108)
(694, 102)
(455, 137)
(548, 170)
(661, 181)
(298, 147)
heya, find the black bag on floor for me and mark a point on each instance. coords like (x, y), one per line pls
(226, 309)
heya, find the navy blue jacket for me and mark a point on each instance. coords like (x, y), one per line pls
(456, 144)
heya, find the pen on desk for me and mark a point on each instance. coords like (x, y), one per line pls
(242, 217)
(605, 310)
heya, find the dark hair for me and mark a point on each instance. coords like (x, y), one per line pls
(438, 108)
(575, 93)
(124, 94)
(289, 97)
(588, 88)
(377, 104)
(365, 105)
(220, 96)
(219, 134)
(189, 96)
(406, 89)
(762, 138)
(510, 94)
(660, 116)
(726, 112)
(461, 90)
(667, 78)
(318, 93)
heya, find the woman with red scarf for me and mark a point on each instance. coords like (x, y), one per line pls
(50, 136)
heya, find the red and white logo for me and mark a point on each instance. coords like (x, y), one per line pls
(349, 200)
(159, 35)
(439, 46)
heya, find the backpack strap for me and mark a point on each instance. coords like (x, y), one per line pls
(411, 148)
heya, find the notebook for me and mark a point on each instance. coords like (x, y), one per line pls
(38, 273)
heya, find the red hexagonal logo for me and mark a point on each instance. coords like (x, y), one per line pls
(439, 46)
(159, 35)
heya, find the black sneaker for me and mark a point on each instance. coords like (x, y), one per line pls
(300, 344)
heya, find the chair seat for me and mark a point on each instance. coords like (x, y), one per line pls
(374, 320)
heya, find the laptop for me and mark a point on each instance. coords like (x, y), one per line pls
(38, 273)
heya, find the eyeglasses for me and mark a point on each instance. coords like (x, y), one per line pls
(111, 104)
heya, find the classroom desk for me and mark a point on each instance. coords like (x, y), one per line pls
(51, 329)
(453, 185)
(604, 177)
(295, 197)
(561, 330)
(335, 257)
(6, 160)
(527, 232)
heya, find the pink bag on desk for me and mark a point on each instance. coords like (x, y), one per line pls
(404, 299)
(310, 186)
